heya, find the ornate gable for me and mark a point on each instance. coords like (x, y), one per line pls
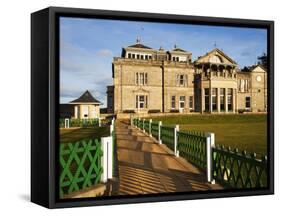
(216, 56)
(258, 68)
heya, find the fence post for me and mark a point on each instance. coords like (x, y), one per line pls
(99, 121)
(66, 123)
(131, 119)
(106, 159)
(111, 129)
(150, 122)
(176, 129)
(143, 125)
(159, 132)
(112, 121)
(210, 138)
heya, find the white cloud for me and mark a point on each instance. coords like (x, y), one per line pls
(105, 52)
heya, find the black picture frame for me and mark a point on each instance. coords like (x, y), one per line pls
(45, 101)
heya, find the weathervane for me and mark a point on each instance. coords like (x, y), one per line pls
(215, 44)
(138, 39)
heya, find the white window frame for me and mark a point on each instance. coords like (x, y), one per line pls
(181, 101)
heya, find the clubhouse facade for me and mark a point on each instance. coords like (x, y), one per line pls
(147, 80)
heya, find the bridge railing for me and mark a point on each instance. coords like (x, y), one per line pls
(192, 146)
(155, 129)
(146, 126)
(169, 137)
(229, 168)
(236, 169)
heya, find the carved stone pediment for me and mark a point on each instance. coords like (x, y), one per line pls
(216, 56)
(141, 90)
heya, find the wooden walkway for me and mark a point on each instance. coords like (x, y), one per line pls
(146, 167)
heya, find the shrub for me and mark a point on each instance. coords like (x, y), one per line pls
(241, 111)
(174, 111)
(129, 111)
(154, 111)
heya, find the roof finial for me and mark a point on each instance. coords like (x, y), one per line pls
(215, 44)
(175, 46)
(138, 39)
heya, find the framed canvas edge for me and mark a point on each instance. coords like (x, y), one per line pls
(53, 96)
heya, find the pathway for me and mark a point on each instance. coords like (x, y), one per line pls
(145, 167)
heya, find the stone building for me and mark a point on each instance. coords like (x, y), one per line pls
(84, 107)
(147, 80)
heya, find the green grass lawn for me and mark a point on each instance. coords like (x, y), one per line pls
(245, 132)
(73, 135)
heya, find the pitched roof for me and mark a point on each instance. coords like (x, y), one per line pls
(178, 50)
(139, 45)
(258, 65)
(66, 110)
(86, 97)
(220, 52)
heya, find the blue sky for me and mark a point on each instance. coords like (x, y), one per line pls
(87, 48)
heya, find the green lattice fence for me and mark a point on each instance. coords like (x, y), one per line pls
(140, 124)
(135, 122)
(80, 123)
(238, 170)
(146, 126)
(192, 146)
(80, 165)
(61, 123)
(155, 129)
(167, 136)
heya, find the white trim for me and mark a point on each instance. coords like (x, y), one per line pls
(209, 145)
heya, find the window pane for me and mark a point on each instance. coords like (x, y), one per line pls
(141, 78)
(173, 102)
(248, 102)
(145, 82)
(181, 79)
(206, 91)
(190, 101)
